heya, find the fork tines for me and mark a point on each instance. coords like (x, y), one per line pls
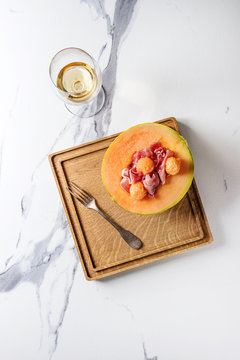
(80, 189)
(80, 194)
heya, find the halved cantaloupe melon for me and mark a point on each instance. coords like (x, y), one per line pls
(119, 156)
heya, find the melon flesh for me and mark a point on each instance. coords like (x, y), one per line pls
(119, 156)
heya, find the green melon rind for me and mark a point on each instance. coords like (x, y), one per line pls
(187, 186)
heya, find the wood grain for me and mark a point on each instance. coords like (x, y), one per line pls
(101, 249)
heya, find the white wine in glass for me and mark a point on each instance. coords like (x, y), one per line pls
(78, 80)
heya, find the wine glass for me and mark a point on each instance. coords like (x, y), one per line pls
(77, 79)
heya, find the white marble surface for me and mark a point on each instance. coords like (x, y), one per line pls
(159, 58)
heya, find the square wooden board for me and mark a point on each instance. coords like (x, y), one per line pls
(101, 249)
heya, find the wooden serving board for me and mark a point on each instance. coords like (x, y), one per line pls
(101, 249)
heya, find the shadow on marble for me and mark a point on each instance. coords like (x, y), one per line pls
(215, 178)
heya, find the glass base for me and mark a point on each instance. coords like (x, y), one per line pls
(90, 109)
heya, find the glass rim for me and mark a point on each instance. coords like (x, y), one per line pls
(50, 65)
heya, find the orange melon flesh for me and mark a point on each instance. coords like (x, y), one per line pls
(119, 156)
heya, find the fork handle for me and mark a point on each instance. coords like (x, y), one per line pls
(130, 239)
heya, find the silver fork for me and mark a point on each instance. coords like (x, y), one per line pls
(89, 202)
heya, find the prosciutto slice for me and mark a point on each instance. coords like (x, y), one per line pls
(138, 155)
(125, 184)
(125, 172)
(151, 182)
(130, 176)
(134, 175)
(161, 168)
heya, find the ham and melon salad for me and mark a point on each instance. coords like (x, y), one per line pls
(148, 168)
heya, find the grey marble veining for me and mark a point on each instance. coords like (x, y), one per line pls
(145, 354)
(32, 259)
(225, 184)
(235, 131)
(122, 17)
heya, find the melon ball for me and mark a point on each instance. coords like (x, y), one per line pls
(145, 165)
(137, 191)
(172, 165)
